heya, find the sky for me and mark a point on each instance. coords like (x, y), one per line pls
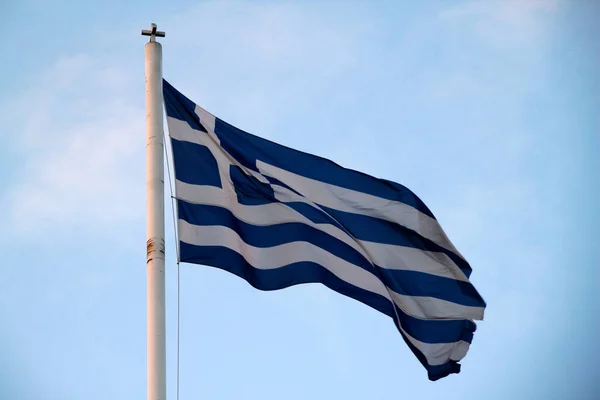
(487, 110)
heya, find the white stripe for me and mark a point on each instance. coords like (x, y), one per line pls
(432, 308)
(395, 257)
(352, 201)
(207, 120)
(440, 353)
(181, 130)
(383, 255)
(285, 254)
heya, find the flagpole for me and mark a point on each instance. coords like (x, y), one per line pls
(155, 221)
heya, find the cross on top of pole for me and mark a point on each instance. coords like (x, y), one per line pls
(153, 33)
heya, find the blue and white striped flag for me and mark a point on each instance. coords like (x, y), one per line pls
(278, 217)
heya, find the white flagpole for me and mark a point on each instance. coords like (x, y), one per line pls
(155, 220)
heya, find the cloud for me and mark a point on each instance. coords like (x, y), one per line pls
(504, 23)
(491, 50)
(79, 146)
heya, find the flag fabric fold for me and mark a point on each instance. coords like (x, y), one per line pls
(278, 217)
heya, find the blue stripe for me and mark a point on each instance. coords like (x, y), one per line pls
(377, 230)
(436, 372)
(415, 283)
(427, 331)
(247, 148)
(410, 283)
(195, 164)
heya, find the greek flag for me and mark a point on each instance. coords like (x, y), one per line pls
(278, 217)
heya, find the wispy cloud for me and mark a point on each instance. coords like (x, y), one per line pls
(505, 23)
(77, 138)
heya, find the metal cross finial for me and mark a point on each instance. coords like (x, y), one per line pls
(153, 33)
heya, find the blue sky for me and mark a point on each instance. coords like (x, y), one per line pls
(488, 110)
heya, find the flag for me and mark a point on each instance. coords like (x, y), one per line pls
(278, 217)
